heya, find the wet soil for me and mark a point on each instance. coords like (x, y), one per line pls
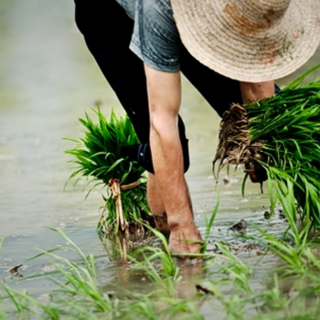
(47, 81)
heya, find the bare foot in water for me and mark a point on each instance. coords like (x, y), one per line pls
(185, 240)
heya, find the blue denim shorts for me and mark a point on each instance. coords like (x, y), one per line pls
(155, 39)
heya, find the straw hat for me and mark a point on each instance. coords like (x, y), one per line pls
(249, 40)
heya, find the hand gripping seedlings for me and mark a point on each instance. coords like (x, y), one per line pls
(278, 139)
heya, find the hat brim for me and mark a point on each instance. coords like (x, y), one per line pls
(243, 54)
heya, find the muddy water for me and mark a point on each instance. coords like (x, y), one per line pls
(47, 81)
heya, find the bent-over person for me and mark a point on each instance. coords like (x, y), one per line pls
(142, 46)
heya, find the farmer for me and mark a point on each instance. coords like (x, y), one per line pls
(142, 45)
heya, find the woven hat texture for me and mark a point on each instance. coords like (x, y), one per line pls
(249, 40)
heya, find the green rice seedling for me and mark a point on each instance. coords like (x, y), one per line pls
(278, 139)
(157, 305)
(231, 285)
(298, 255)
(144, 259)
(298, 273)
(171, 298)
(29, 307)
(288, 298)
(229, 270)
(172, 278)
(209, 224)
(3, 316)
(99, 158)
(76, 296)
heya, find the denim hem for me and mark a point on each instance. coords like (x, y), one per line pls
(135, 48)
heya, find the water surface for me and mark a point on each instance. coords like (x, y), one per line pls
(47, 81)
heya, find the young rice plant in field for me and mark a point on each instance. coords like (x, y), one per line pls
(98, 156)
(278, 139)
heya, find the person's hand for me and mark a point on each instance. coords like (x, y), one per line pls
(256, 171)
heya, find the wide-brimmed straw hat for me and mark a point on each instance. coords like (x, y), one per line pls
(249, 40)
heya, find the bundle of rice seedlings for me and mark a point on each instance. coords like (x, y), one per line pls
(99, 158)
(278, 139)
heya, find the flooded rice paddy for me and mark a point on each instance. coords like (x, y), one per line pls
(47, 81)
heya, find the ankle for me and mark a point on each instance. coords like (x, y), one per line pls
(161, 223)
(176, 224)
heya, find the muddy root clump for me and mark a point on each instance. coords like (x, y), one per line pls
(235, 146)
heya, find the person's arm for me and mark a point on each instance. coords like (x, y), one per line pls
(164, 94)
(252, 92)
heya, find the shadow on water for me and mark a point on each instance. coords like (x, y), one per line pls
(47, 81)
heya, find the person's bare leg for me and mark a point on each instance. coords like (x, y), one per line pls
(156, 204)
(164, 93)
